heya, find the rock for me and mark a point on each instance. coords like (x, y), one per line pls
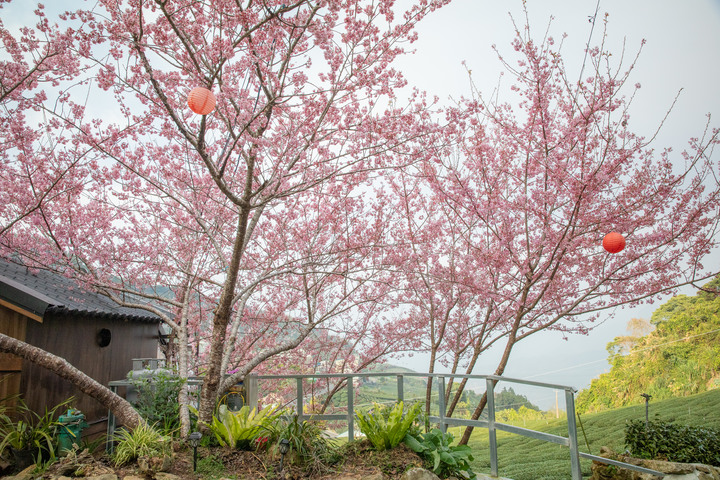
(133, 477)
(419, 474)
(150, 465)
(96, 470)
(374, 476)
(712, 474)
(671, 470)
(24, 475)
(688, 476)
(165, 476)
(104, 476)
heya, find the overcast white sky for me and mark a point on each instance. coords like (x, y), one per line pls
(682, 51)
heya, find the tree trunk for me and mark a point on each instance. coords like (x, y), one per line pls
(458, 393)
(183, 396)
(431, 369)
(483, 401)
(221, 319)
(331, 393)
(478, 348)
(456, 398)
(120, 407)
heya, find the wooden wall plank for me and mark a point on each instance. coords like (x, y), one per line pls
(14, 325)
(20, 310)
(74, 339)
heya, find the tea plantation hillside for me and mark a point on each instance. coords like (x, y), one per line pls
(521, 458)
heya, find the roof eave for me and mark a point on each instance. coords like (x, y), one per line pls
(24, 297)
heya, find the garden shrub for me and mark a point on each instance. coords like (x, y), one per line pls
(143, 441)
(310, 449)
(157, 397)
(32, 433)
(676, 443)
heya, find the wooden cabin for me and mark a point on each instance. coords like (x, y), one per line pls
(87, 329)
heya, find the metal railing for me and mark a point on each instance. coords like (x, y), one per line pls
(571, 441)
(491, 424)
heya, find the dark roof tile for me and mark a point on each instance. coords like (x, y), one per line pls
(41, 291)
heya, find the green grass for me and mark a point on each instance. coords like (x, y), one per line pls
(211, 467)
(521, 458)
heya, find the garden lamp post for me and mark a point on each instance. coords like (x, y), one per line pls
(647, 401)
(284, 447)
(194, 439)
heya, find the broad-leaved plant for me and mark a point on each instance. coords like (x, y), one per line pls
(447, 460)
(387, 428)
(240, 429)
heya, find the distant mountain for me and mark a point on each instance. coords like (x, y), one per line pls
(388, 368)
(384, 390)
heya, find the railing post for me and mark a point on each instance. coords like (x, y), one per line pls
(401, 394)
(109, 443)
(252, 391)
(490, 392)
(572, 433)
(300, 406)
(441, 404)
(351, 409)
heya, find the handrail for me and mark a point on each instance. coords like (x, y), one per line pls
(571, 441)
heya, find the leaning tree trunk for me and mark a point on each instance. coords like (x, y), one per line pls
(120, 407)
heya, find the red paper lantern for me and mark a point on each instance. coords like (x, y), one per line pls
(614, 242)
(201, 100)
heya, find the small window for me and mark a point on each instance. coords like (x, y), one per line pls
(104, 337)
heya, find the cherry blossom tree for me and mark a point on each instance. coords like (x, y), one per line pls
(432, 261)
(246, 226)
(535, 185)
(37, 168)
(314, 207)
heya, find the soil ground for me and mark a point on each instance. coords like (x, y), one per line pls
(357, 460)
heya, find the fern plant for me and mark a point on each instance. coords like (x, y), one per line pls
(239, 429)
(387, 428)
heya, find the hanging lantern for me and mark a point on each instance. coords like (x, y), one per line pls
(201, 100)
(614, 242)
